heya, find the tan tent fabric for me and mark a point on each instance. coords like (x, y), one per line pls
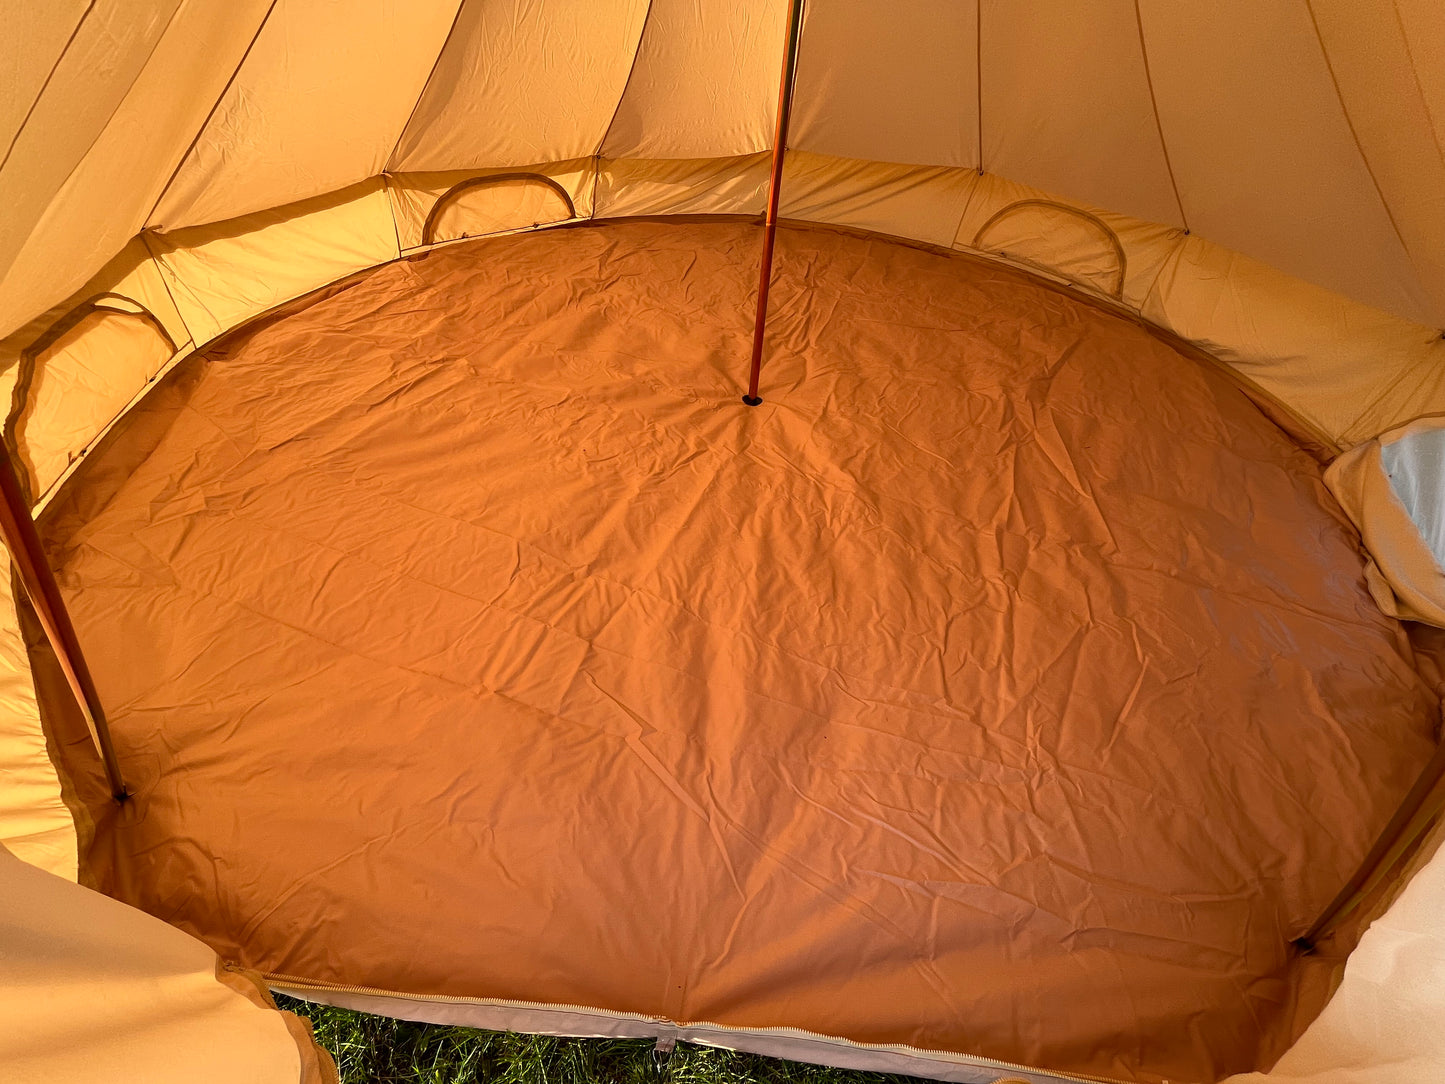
(1372, 51)
(1264, 156)
(1422, 24)
(91, 989)
(1318, 183)
(678, 187)
(45, 29)
(225, 273)
(1000, 213)
(110, 368)
(79, 385)
(317, 105)
(102, 199)
(1351, 370)
(705, 81)
(918, 202)
(886, 82)
(522, 200)
(35, 824)
(80, 85)
(509, 91)
(1057, 68)
(132, 275)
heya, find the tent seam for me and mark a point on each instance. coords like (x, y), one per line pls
(44, 86)
(98, 135)
(1158, 121)
(391, 209)
(626, 85)
(1415, 76)
(284, 982)
(977, 83)
(426, 83)
(1354, 135)
(186, 155)
(166, 285)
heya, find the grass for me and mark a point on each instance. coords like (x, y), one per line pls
(378, 1050)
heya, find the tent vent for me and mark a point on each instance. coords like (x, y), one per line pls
(495, 204)
(56, 382)
(1059, 239)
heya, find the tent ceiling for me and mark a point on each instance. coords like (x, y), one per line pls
(316, 106)
(497, 98)
(1308, 135)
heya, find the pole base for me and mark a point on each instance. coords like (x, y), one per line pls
(752, 400)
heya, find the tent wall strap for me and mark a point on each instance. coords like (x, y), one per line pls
(775, 185)
(1406, 826)
(17, 527)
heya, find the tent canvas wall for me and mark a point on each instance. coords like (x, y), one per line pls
(1260, 186)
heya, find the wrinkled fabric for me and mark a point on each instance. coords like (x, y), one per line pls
(1416, 466)
(1005, 683)
(1387, 488)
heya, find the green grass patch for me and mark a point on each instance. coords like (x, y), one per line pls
(378, 1050)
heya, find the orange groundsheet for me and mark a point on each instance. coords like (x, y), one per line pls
(1006, 683)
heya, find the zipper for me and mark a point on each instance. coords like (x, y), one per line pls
(939, 1057)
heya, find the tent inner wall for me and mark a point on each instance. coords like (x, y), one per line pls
(1339, 373)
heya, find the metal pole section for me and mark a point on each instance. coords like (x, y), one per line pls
(1398, 834)
(775, 185)
(23, 541)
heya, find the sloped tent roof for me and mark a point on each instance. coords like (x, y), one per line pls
(1265, 181)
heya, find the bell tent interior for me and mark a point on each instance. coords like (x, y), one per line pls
(905, 535)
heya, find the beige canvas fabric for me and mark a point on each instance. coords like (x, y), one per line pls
(636, 186)
(509, 91)
(1084, 72)
(1381, 53)
(315, 107)
(91, 989)
(1265, 158)
(80, 383)
(1268, 122)
(44, 28)
(704, 83)
(892, 83)
(35, 824)
(66, 218)
(70, 96)
(225, 273)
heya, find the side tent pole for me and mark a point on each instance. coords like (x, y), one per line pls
(23, 541)
(775, 185)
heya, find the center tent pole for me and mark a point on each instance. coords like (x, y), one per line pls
(775, 185)
(17, 527)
